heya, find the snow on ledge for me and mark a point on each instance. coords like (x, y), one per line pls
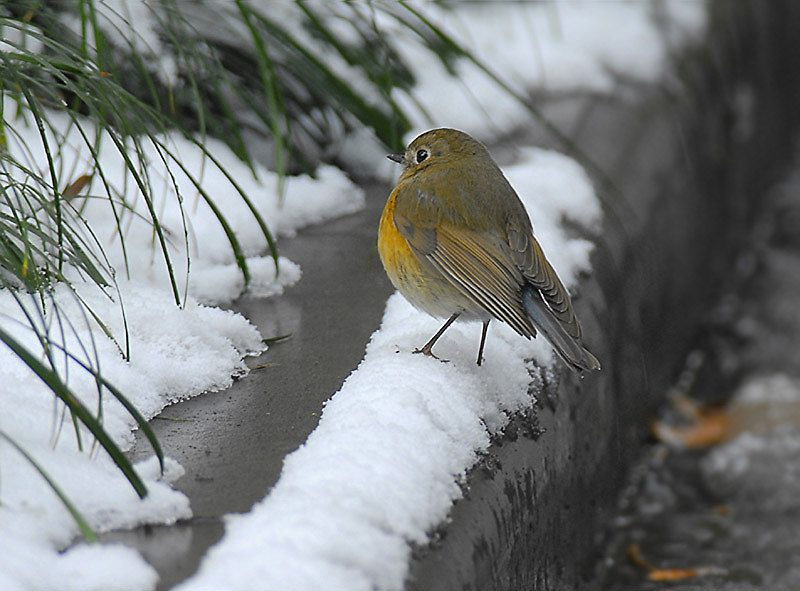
(176, 353)
(383, 467)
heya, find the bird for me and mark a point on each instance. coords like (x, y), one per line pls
(457, 243)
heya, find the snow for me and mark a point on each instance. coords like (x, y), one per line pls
(192, 228)
(133, 24)
(15, 38)
(769, 389)
(33, 521)
(539, 49)
(761, 462)
(175, 352)
(383, 467)
(393, 445)
(547, 48)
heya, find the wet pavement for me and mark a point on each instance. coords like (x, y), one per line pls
(232, 443)
(728, 516)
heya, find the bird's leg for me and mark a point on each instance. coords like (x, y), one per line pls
(426, 349)
(483, 340)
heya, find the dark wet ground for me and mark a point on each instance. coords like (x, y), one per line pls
(728, 517)
(232, 443)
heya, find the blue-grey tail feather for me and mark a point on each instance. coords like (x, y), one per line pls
(568, 348)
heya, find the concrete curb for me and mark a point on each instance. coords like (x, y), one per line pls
(690, 159)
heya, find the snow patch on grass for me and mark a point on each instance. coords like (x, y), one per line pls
(175, 352)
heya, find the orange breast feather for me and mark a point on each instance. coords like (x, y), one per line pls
(400, 262)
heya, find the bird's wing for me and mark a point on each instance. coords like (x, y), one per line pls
(530, 260)
(472, 261)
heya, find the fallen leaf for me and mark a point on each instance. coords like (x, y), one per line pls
(76, 186)
(705, 426)
(681, 574)
(634, 553)
(672, 574)
(690, 409)
(710, 427)
(635, 556)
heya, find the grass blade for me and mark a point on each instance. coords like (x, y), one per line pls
(60, 389)
(86, 531)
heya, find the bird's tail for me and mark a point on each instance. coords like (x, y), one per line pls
(568, 347)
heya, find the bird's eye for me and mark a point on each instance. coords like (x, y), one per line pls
(421, 155)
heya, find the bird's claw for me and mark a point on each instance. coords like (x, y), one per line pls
(429, 353)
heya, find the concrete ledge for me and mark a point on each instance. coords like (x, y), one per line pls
(690, 159)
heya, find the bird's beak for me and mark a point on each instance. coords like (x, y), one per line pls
(395, 158)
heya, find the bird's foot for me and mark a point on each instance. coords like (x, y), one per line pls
(429, 353)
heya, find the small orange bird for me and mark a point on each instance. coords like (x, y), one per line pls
(457, 242)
